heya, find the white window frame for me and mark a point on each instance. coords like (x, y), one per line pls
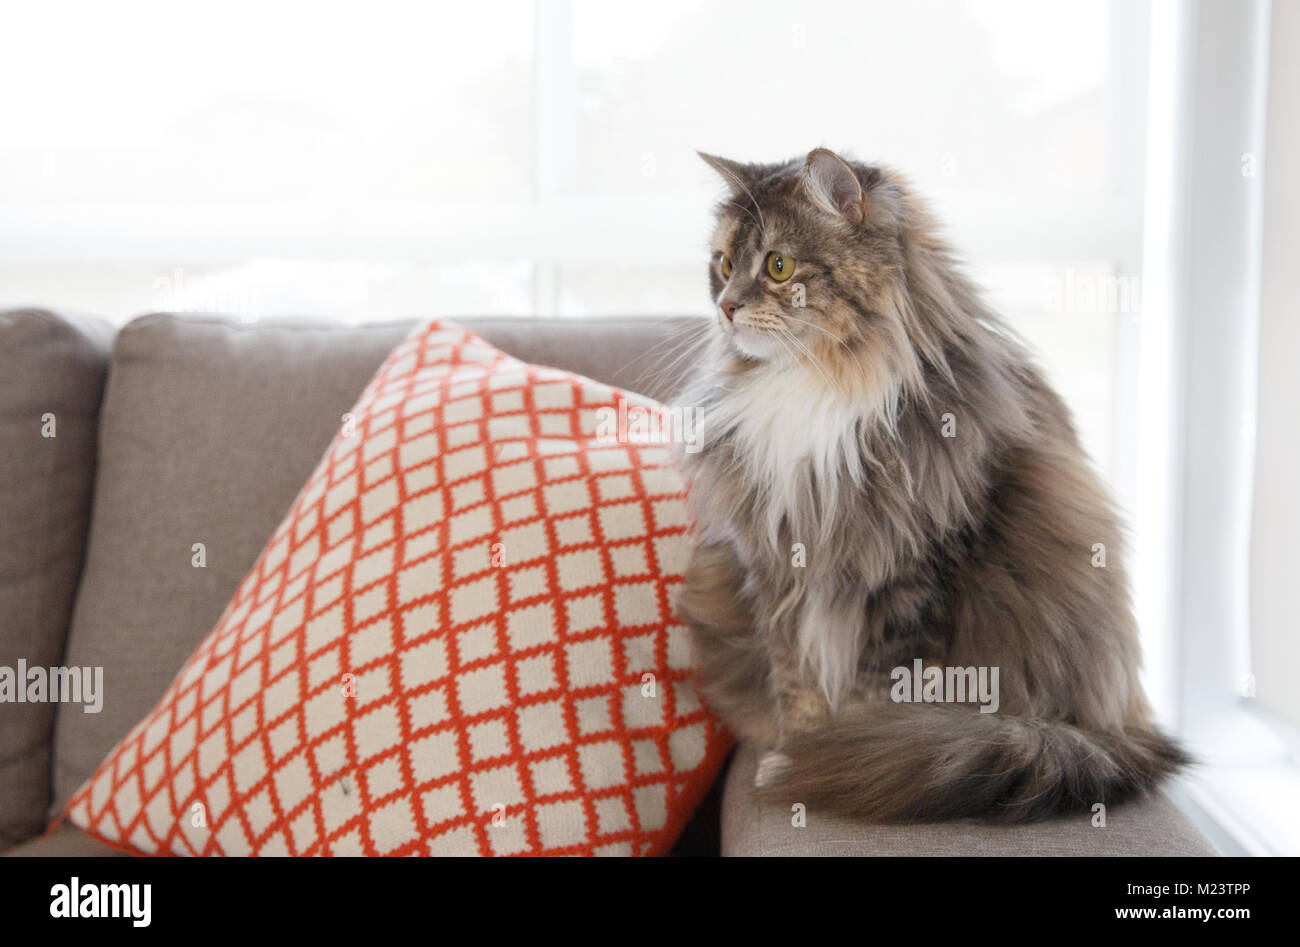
(1200, 347)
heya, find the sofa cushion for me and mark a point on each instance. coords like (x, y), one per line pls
(52, 371)
(209, 428)
(65, 840)
(1150, 826)
(458, 641)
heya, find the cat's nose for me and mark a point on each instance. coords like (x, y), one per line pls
(729, 309)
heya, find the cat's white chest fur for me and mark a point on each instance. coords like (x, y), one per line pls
(797, 444)
(793, 434)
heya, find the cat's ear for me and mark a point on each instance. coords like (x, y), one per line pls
(737, 174)
(834, 187)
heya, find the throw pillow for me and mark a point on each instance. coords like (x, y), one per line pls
(458, 641)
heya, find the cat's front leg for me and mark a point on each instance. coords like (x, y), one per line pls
(731, 658)
(801, 708)
(816, 652)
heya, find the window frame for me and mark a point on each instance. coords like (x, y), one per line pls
(1210, 80)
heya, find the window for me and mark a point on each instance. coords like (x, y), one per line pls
(516, 157)
(353, 162)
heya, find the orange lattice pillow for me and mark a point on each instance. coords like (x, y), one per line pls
(459, 641)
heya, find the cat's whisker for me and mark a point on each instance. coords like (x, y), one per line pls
(674, 372)
(855, 357)
(745, 187)
(813, 358)
(821, 329)
(742, 207)
(832, 336)
(688, 338)
(785, 348)
(841, 343)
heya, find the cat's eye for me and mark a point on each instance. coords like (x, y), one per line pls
(779, 267)
(724, 264)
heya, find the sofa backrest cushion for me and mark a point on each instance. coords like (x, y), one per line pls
(208, 430)
(52, 369)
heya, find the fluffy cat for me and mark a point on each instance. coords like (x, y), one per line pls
(885, 477)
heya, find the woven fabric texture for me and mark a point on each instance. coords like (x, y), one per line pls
(458, 641)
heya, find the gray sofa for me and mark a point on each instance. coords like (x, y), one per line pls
(179, 430)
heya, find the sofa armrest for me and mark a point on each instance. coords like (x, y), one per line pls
(52, 371)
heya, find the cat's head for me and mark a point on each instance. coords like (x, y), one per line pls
(808, 267)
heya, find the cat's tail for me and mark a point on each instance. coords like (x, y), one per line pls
(900, 762)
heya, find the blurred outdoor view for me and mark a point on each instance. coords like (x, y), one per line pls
(539, 158)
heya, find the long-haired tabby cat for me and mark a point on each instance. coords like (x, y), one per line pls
(886, 477)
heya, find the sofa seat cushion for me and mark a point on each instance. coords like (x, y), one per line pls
(1152, 826)
(64, 840)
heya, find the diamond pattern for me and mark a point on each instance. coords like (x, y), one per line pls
(444, 648)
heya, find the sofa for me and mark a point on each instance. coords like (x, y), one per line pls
(121, 451)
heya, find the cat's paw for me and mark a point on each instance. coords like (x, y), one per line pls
(770, 765)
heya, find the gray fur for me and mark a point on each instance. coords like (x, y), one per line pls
(823, 426)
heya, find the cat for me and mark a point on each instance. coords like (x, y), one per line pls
(886, 481)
